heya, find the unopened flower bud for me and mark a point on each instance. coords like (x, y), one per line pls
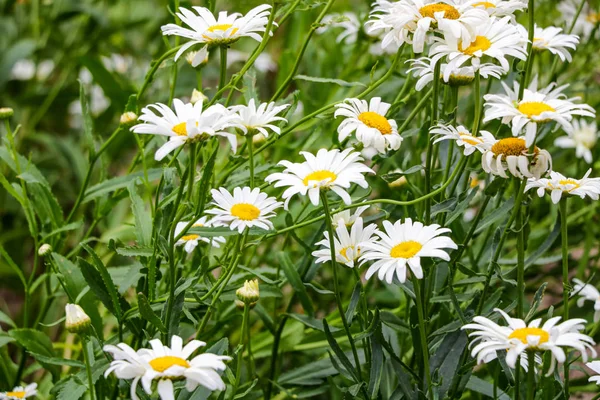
(77, 320)
(200, 57)
(249, 293)
(6, 112)
(398, 182)
(44, 250)
(197, 96)
(128, 118)
(258, 138)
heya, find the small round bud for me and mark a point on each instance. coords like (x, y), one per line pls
(249, 293)
(44, 250)
(259, 138)
(198, 96)
(128, 118)
(195, 58)
(6, 112)
(77, 320)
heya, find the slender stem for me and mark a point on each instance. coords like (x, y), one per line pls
(88, 368)
(520, 261)
(531, 375)
(565, 276)
(192, 171)
(154, 68)
(223, 73)
(334, 265)
(250, 142)
(238, 367)
(434, 117)
(423, 335)
(477, 118)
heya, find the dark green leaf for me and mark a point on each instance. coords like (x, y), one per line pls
(148, 314)
(294, 279)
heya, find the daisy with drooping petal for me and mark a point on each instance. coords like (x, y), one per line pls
(463, 138)
(246, 208)
(190, 242)
(553, 40)
(349, 23)
(258, 119)
(582, 138)
(518, 337)
(224, 30)
(587, 292)
(369, 123)
(412, 21)
(331, 169)
(424, 69)
(501, 8)
(495, 38)
(20, 392)
(587, 19)
(165, 365)
(189, 122)
(536, 107)
(347, 245)
(512, 155)
(559, 184)
(402, 246)
(347, 218)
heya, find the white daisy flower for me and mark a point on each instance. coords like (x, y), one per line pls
(518, 337)
(405, 244)
(167, 364)
(349, 23)
(258, 119)
(223, 30)
(424, 69)
(331, 169)
(246, 208)
(512, 155)
(495, 38)
(20, 392)
(559, 184)
(594, 366)
(411, 21)
(587, 292)
(188, 123)
(501, 8)
(583, 138)
(190, 242)
(587, 20)
(536, 107)
(553, 40)
(346, 217)
(348, 246)
(463, 138)
(369, 123)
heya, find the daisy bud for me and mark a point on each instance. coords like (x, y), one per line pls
(197, 96)
(249, 293)
(128, 118)
(6, 112)
(77, 320)
(44, 249)
(259, 138)
(195, 58)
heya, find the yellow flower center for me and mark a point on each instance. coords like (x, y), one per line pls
(222, 27)
(532, 108)
(485, 4)
(344, 252)
(480, 43)
(245, 211)
(509, 147)
(522, 334)
(189, 237)
(374, 120)
(474, 182)
(180, 129)
(470, 139)
(430, 10)
(406, 249)
(565, 182)
(19, 395)
(161, 364)
(592, 17)
(319, 176)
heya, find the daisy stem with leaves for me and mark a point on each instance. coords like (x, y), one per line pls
(88, 367)
(429, 155)
(423, 335)
(250, 142)
(243, 343)
(565, 275)
(334, 265)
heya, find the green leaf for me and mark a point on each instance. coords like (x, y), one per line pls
(446, 359)
(57, 361)
(88, 123)
(544, 247)
(338, 351)
(537, 300)
(143, 219)
(70, 388)
(110, 185)
(377, 362)
(339, 82)
(224, 231)
(311, 322)
(38, 343)
(5, 338)
(109, 285)
(296, 281)
(353, 302)
(391, 177)
(459, 211)
(16, 270)
(148, 314)
(45, 205)
(487, 389)
(204, 188)
(496, 215)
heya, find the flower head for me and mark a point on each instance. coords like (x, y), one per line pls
(402, 245)
(501, 8)
(463, 138)
(512, 155)
(553, 40)
(252, 119)
(167, 364)
(518, 337)
(587, 292)
(369, 123)
(77, 321)
(224, 30)
(246, 208)
(348, 245)
(423, 68)
(587, 18)
(249, 293)
(20, 392)
(191, 241)
(346, 217)
(594, 366)
(189, 122)
(349, 23)
(582, 138)
(559, 184)
(331, 169)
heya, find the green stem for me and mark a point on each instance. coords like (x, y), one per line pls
(334, 265)
(223, 73)
(477, 118)
(155, 65)
(88, 368)
(238, 366)
(565, 276)
(520, 261)
(423, 335)
(192, 171)
(250, 142)
(434, 118)
(531, 375)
